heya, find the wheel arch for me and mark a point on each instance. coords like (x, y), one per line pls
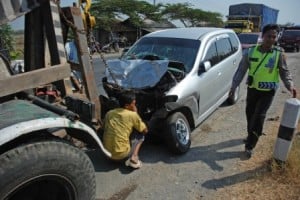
(187, 113)
(31, 130)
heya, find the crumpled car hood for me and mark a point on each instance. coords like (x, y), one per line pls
(136, 74)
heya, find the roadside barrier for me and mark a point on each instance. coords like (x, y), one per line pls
(287, 129)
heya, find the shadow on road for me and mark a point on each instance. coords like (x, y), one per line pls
(234, 179)
(209, 154)
(103, 164)
(153, 153)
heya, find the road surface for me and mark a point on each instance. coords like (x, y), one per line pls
(213, 161)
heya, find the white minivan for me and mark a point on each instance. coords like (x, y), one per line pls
(180, 76)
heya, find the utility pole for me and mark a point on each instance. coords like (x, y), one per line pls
(154, 2)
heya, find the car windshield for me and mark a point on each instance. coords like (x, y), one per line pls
(248, 38)
(159, 48)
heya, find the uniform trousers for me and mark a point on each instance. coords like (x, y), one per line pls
(257, 104)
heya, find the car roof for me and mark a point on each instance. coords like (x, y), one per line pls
(187, 33)
(291, 30)
(295, 32)
(251, 33)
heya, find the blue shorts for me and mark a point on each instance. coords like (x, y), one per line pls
(135, 139)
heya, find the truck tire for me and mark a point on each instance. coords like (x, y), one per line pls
(49, 170)
(178, 133)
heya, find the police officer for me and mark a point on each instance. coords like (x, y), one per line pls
(266, 63)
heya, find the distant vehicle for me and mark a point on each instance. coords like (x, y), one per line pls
(250, 17)
(250, 39)
(180, 76)
(17, 66)
(290, 39)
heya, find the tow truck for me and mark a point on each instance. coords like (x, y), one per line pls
(46, 122)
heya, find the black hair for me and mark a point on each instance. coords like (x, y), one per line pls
(126, 97)
(268, 27)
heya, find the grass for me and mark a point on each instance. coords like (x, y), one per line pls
(274, 182)
(18, 52)
(291, 171)
(287, 177)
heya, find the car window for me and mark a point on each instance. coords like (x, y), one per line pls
(234, 42)
(248, 38)
(211, 54)
(223, 48)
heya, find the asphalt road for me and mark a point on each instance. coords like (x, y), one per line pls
(212, 162)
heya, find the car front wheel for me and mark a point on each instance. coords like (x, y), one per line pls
(178, 133)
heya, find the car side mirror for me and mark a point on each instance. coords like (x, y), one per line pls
(204, 67)
(124, 51)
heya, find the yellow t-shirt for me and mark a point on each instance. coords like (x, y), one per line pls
(118, 125)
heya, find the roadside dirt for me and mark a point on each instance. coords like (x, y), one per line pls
(268, 181)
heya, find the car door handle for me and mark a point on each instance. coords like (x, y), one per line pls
(234, 62)
(219, 73)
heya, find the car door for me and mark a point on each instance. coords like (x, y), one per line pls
(226, 65)
(208, 80)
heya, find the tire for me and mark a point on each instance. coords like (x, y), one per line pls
(46, 170)
(178, 133)
(235, 97)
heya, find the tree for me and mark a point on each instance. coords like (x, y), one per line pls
(107, 12)
(191, 17)
(6, 39)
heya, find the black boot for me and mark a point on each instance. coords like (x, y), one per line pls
(250, 143)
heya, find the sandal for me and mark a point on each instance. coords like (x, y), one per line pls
(133, 164)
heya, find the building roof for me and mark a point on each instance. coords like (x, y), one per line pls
(150, 25)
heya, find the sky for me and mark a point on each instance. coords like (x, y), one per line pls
(288, 9)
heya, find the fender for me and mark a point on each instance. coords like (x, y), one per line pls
(22, 128)
(190, 102)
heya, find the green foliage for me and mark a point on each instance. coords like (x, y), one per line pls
(14, 55)
(191, 17)
(6, 40)
(6, 37)
(107, 12)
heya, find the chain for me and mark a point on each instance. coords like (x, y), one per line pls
(69, 23)
(91, 41)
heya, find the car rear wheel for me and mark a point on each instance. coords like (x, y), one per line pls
(178, 133)
(46, 170)
(235, 96)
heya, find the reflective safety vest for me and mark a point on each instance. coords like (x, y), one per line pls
(263, 69)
